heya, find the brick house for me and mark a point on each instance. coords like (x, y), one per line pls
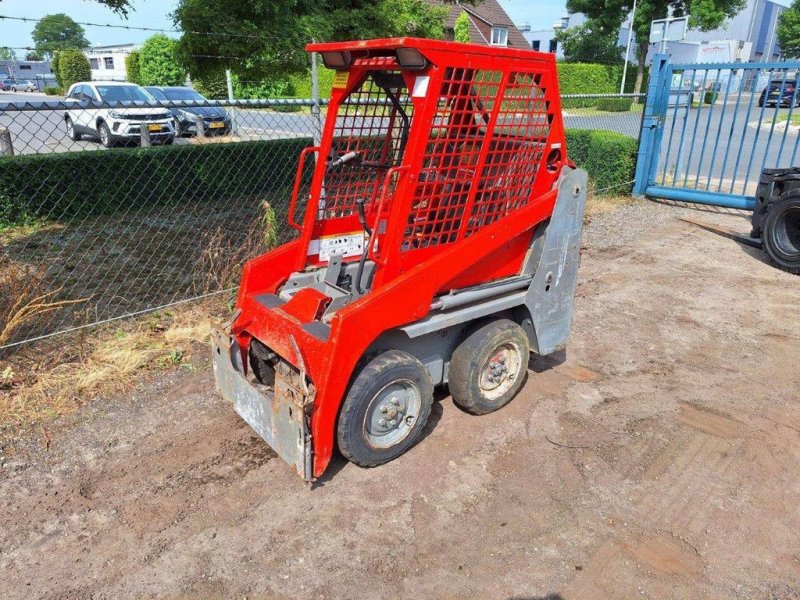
(489, 24)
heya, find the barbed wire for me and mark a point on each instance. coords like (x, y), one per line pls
(220, 56)
(155, 29)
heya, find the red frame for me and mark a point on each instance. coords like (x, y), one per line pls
(478, 174)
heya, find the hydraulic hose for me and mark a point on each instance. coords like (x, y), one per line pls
(362, 217)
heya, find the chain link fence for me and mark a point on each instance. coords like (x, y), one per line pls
(110, 209)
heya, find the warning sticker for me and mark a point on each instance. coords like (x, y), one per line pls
(340, 79)
(351, 244)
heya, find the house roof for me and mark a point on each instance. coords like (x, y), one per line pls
(483, 16)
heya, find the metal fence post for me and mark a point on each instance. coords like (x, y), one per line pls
(6, 145)
(655, 108)
(229, 82)
(201, 126)
(144, 136)
(315, 109)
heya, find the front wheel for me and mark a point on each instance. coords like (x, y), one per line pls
(488, 368)
(781, 235)
(385, 410)
(105, 135)
(72, 133)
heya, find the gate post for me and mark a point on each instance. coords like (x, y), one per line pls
(655, 111)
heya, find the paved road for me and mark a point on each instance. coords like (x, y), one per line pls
(42, 131)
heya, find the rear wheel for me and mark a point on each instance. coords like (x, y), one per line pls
(385, 410)
(781, 235)
(488, 368)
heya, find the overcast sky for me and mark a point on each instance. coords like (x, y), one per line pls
(541, 14)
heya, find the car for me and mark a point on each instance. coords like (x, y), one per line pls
(121, 124)
(216, 120)
(783, 93)
(7, 84)
(24, 85)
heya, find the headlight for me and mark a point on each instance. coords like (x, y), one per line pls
(186, 115)
(115, 114)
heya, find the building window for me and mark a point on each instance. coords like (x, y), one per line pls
(536, 45)
(95, 63)
(553, 46)
(109, 60)
(499, 36)
(24, 67)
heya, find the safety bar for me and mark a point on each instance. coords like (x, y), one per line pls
(376, 227)
(297, 181)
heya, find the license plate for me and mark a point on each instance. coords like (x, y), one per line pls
(216, 125)
(154, 128)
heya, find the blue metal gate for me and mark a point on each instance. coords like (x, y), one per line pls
(709, 130)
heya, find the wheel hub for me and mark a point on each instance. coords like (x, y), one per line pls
(392, 413)
(501, 370)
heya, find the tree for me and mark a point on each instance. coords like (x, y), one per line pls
(461, 28)
(264, 39)
(133, 67)
(588, 43)
(788, 31)
(7, 53)
(33, 56)
(158, 62)
(73, 66)
(608, 16)
(58, 32)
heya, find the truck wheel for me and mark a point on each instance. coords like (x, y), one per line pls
(781, 235)
(385, 410)
(488, 368)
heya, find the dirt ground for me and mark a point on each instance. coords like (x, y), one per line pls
(659, 457)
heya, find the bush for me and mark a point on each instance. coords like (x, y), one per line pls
(302, 83)
(54, 90)
(614, 104)
(158, 62)
(133, 67)
(581, 78)
(73, 67)
(63, 186)
(608, 157)
(461, 28)
(54, 67)
(710, 97)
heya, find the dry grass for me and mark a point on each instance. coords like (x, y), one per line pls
(39, 384)
(597, 205)
(25, 296)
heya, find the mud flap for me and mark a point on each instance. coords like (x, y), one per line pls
(551, 296)
(275, 415)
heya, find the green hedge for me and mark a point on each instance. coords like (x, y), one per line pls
(61, 186)
(581, 78)
(614, 104)
(609, 158)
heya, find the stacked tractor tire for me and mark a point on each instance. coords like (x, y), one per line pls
(776, 217)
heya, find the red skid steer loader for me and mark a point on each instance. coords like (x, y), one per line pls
(439, 245)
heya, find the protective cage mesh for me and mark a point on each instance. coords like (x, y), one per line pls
(485, 148)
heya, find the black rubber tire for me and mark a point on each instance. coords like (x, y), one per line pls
(169, 141)
(473, 354)
(72, 133)
(109, 141)
(388, 367)
(263, 370)
(781, 234)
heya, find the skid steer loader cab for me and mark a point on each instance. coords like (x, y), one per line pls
(437, 243)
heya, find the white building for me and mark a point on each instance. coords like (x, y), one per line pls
(108, 62)
(749, 36)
